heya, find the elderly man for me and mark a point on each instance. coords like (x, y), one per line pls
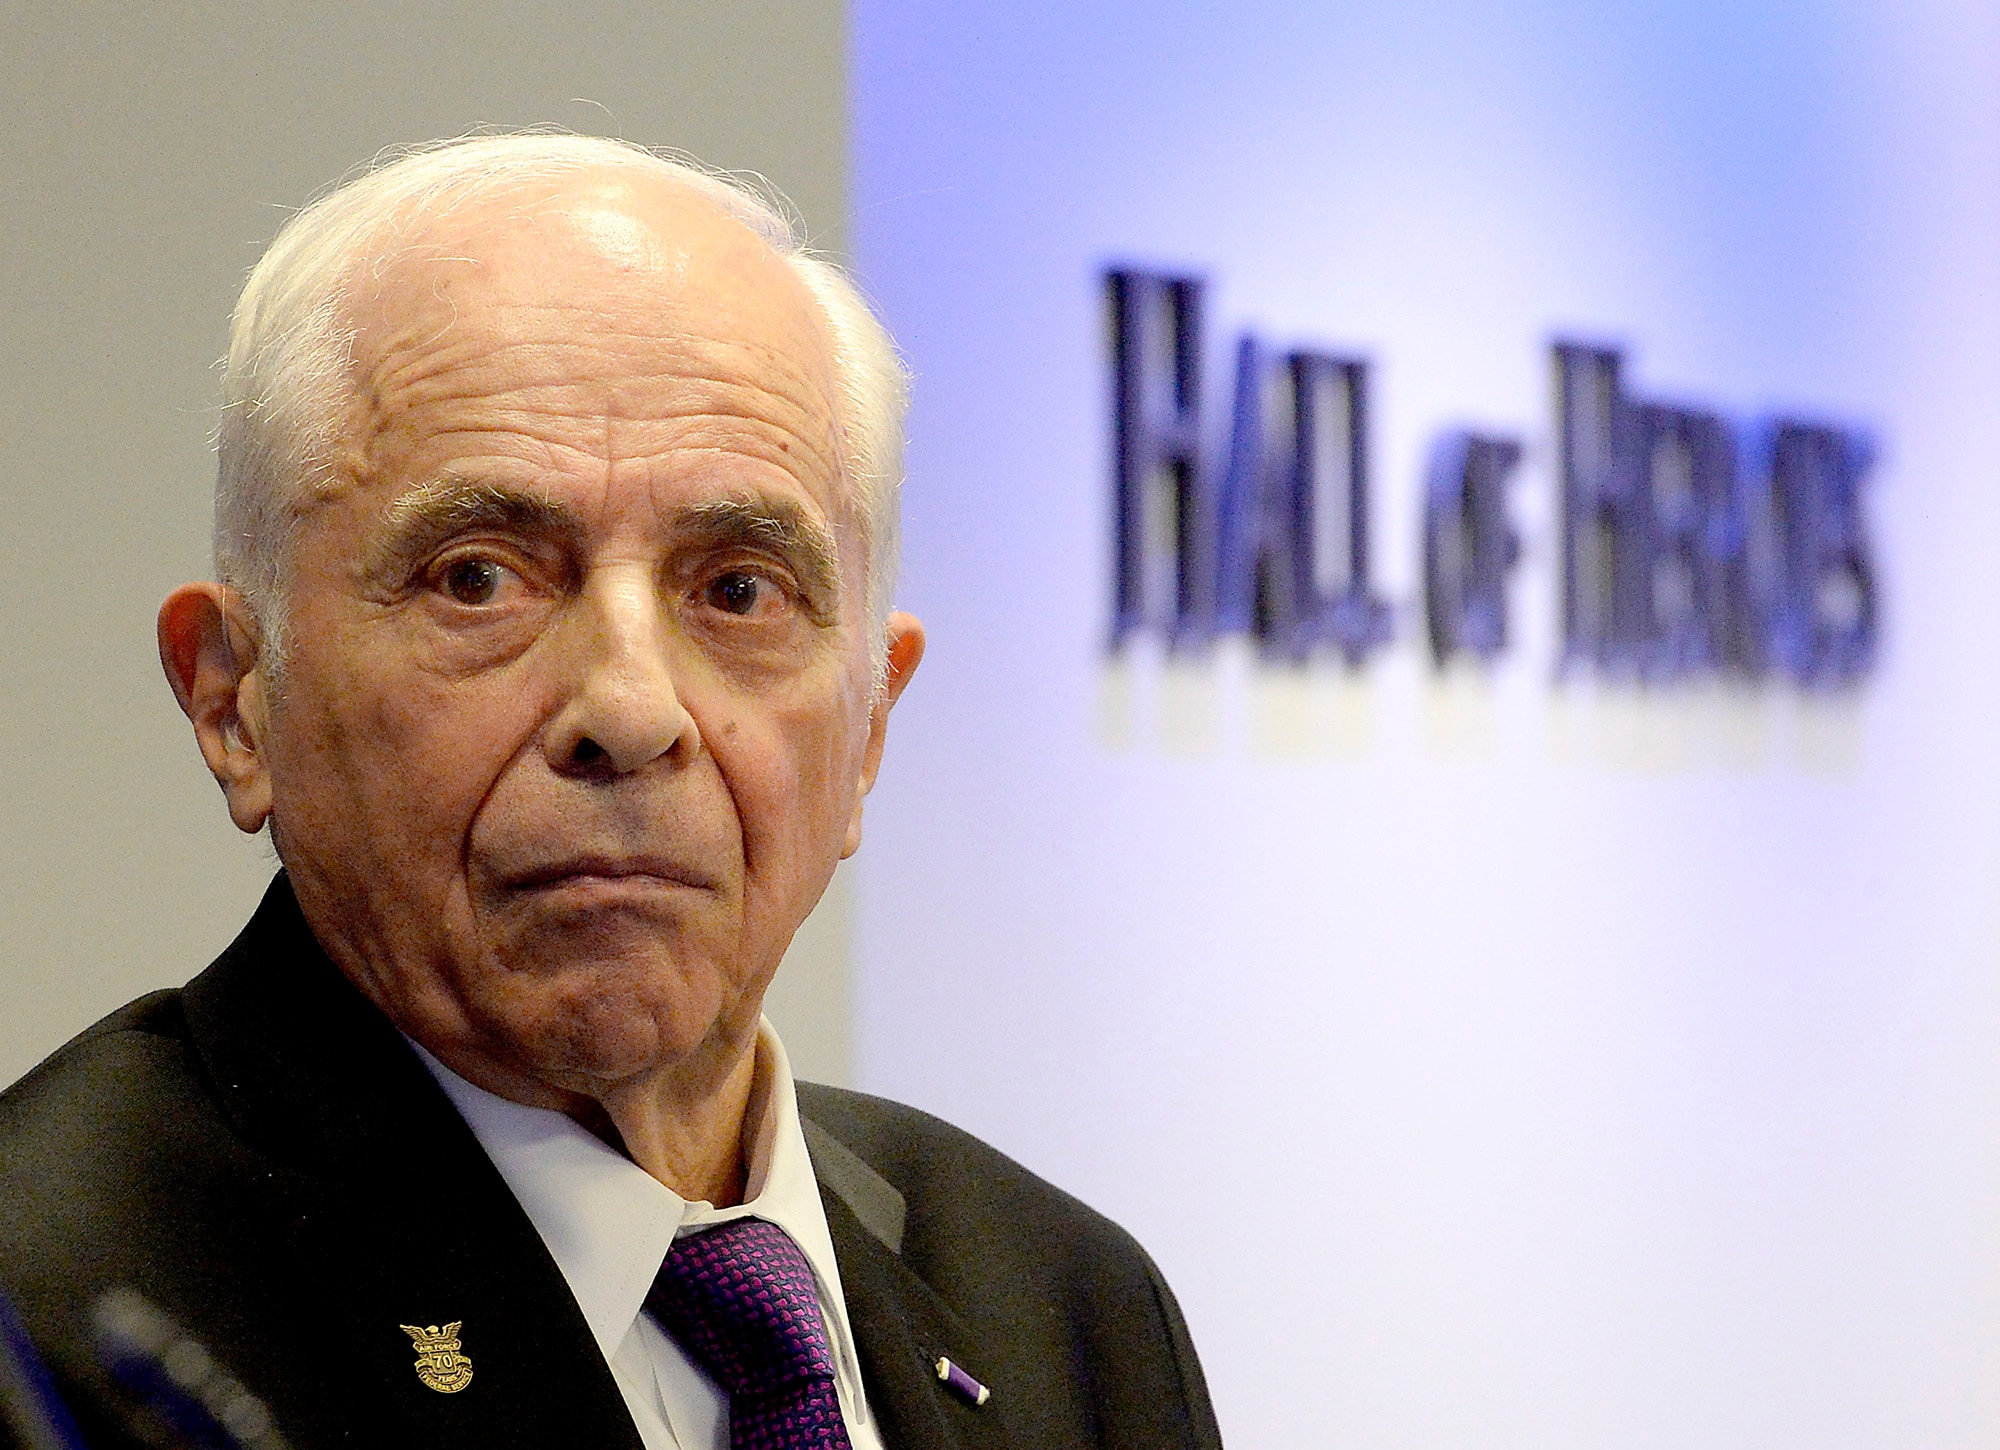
(555, 527)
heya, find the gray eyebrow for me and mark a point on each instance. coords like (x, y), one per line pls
(434, 512)
(780, 527)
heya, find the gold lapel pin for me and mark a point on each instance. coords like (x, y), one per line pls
(439, 1364)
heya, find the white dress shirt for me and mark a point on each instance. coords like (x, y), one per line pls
(608, 1224)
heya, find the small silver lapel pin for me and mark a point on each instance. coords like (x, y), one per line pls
(964, 1383)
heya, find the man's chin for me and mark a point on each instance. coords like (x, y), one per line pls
(638, 925)
(582, 1018)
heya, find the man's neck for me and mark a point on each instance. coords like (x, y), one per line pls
(693, 1127)
(698, 1144)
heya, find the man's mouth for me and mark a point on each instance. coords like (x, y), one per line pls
(610, 873)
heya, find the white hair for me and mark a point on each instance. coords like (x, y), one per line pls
(286, 380)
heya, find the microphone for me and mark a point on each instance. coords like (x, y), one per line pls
(32, 1413)
(173, 1392)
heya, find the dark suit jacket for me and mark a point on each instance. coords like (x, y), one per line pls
(262, 1155)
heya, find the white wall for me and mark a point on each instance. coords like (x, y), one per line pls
(1486, 1064)
(151, 150)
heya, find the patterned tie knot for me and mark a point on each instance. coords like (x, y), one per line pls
(740, 1299)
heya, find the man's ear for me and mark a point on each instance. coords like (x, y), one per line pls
(906, 649)
(210, 648)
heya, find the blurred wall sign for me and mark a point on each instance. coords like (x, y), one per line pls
(1690, 546)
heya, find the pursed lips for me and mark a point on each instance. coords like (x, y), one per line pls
(635, 872)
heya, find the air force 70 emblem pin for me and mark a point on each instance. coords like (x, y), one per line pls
(439, 1364)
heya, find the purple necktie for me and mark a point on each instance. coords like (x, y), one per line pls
(739, 1298)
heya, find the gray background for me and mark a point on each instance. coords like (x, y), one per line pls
(151, 151)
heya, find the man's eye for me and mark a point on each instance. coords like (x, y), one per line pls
(472, 581)
(737, 592)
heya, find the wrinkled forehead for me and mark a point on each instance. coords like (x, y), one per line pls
(598, 254)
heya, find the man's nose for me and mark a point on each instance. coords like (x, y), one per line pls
(623, 712)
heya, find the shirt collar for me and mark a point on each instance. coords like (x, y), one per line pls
(608, 1223)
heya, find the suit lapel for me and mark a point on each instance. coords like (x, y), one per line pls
(391, 1214)
(901, 1328)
